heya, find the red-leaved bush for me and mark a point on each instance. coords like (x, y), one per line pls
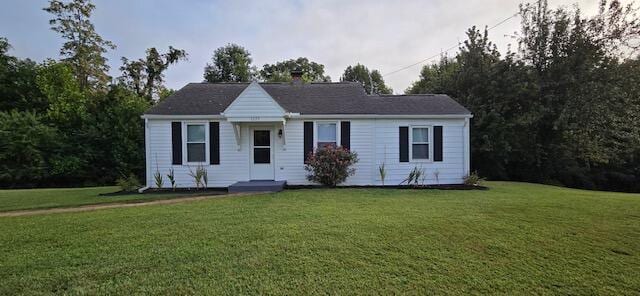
(331, 166)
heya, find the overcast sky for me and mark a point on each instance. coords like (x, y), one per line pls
(383, 35)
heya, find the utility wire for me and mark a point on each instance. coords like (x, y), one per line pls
(448, 49)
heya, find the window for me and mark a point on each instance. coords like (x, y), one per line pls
(420, 143)
(196, 143)
(327, 134)
(261, 146)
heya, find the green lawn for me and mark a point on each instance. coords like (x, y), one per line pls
(513, 239)
(29, 199)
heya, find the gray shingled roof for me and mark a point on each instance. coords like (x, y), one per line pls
(309, 98)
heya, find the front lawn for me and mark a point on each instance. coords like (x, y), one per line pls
(514, 238)
(31, 199)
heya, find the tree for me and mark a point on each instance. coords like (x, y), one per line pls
(281, 71)
(68, 105)
(84, 48)
(146, 76)
(372, 81)
(116, 135)
(230, 63)
(25, 147)
(564, 110)
(577, 67)
(69, 111)
(164, 93)
(437, 78)
(18, 89)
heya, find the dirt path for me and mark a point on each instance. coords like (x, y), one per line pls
(118, 205)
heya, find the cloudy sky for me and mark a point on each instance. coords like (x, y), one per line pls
(384, 35)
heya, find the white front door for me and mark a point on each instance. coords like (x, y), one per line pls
(262, 167)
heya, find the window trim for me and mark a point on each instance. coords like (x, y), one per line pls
(430, 143)
(185, 155)
(315, 132)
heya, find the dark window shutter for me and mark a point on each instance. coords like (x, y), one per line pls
(404, 144)
(308, 139)
(345, 134)
(437, 143)
(176, 142)
(214, 142)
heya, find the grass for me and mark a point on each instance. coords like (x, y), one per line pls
(31, 199)
(515, 238)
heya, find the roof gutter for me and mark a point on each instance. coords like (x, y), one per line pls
(159, 116)
(386, 116)
(320, 116)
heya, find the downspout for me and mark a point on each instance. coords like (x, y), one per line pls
(467, 146)
(147, 151)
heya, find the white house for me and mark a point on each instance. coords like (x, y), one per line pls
(263, 131)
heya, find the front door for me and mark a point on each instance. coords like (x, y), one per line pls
(262, 167)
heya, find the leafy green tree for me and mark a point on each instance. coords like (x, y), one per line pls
(84, 49)
(146, 76)
(577, 64)
(436, 78)
(230, 63)
(68, 105)
(17, 83)
(69, 112)
(372, 81)
(25, 146)
(164, 93)
(564, 110)
(281, 71)
(116, 135)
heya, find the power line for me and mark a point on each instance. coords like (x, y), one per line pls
(448, 49)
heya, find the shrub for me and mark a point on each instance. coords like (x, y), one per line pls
(200, 177)
(473, 179)
(205, 177)
(416, 176)
(383, 173)
(331, 166)
(172, 179)
(157, 177)
(128, 183)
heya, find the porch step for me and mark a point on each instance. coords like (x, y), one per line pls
(257, 186)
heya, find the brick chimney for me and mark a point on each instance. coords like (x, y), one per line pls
(296, 76)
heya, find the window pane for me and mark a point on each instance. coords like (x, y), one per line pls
(421, 151)
(261, 155)
(195, 133)
(420, 135)
(195, 152)
(261, 138)
(326, 132)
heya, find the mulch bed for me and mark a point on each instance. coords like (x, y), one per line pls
(218, 191)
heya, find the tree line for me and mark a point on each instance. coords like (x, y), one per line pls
(561, 109)
(67, 122)
(233, 63)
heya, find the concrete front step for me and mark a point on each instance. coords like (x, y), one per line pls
(257, 186)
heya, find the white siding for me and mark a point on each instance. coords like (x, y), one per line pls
(451, 169)
(290, 162)
(233, 167)
(375, 140)
(254, 101)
